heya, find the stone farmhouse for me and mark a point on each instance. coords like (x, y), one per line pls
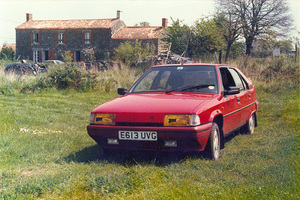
(40, 40)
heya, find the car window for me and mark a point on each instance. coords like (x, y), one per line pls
(164, 80)
(230, 77)
(178, 78)
(227, 79)
(146, 83)
(239, 81)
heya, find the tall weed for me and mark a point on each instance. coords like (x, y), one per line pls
(269, 70)
(69, 76)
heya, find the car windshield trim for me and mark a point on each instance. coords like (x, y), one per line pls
(190, 87)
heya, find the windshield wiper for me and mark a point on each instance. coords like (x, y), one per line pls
(189, 87)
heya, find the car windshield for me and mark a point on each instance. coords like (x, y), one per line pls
(168, 79)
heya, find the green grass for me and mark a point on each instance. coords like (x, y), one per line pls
(46, 153)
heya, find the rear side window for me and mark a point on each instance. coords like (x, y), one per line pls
(230, 77)
(239, 81)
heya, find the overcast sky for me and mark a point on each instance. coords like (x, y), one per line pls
(13, 12)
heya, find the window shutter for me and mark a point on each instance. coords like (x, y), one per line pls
(91, 37)
(82, 38)
(65, 38)
(56, 38)
(39, 39)
(40, 56)
(31, 54)
(51, 54)
(31, 38)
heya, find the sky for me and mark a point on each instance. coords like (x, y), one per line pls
(13, 12)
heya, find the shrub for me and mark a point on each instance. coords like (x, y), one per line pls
(67, 56)
(88, 54)
(7, 53)
(129, 52)
(69, 77)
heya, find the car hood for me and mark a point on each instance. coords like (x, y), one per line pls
(151, 107)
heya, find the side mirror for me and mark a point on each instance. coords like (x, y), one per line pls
(122, 91)
(232, 90)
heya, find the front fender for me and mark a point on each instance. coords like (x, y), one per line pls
(214, 114)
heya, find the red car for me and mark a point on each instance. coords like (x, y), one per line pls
(188, 108)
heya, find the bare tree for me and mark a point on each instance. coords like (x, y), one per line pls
(258, 17)
(229, 24)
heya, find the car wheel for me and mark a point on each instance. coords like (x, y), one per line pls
(250, 125)
(214, 142)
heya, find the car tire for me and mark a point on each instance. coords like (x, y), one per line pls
(250, 125)
(214, 142)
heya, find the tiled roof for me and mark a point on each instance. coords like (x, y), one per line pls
(13, 46)
(68, 24)
(141, 33)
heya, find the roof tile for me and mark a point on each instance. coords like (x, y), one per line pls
(141, 33)
(68, 24)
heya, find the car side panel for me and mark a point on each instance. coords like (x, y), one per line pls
(231, 115)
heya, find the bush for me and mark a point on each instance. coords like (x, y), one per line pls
(70, 76)
(130, 52)
(64, 76)
(67, 56)
(7, 53)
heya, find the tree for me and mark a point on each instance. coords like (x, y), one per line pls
(178, 35)
(229, 25)
(143, 24)
(129, 52)
(206, 38)
(259, 17)
(285, 46)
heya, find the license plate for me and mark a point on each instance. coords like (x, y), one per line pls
(138, 135)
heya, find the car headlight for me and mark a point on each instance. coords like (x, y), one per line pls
(181, 120)
(102, 119)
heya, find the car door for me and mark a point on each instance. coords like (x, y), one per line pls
(230, 103)
(243, 98)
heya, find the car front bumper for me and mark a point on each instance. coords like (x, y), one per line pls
(185, 139)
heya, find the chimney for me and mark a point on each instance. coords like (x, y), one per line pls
(119, 14)
(28, 17)
(164, 22)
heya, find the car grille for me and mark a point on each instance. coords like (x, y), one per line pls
(140, 124)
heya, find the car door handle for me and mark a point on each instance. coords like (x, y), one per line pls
(249, 95)
(238, 99)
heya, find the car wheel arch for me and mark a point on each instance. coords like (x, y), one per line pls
(219, 121)
(217, 117)
(255, 117)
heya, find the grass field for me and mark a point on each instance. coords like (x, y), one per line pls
(45, 153)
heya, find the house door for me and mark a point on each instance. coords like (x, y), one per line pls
(77, 56)
(46, 55)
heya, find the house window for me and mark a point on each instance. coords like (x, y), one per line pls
(87, 38)
(35, 38)
(60, 38)
(35, 56)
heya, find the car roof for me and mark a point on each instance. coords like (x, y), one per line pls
(193, 64)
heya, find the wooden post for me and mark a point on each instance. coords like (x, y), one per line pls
(296, 52)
